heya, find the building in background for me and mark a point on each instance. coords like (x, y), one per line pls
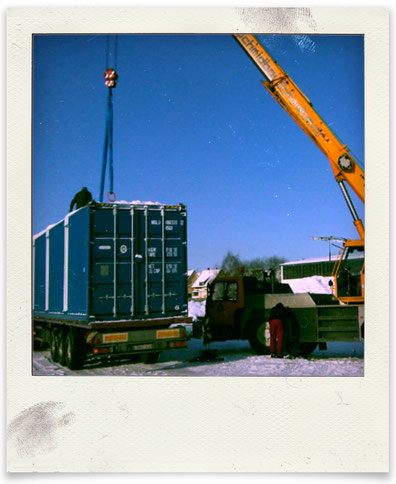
(309, 275)
(192, 277)
(199, 288)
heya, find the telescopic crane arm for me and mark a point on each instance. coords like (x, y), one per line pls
(298, 106)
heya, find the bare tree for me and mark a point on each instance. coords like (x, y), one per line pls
(233, 265)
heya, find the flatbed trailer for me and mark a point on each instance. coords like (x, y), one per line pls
(71, 343)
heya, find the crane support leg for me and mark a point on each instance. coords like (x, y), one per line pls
(356, 220)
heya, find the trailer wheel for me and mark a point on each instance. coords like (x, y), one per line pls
(54, 345)
(148, 358)
(257, 337)
(37, 345)
(61, 346)
(74, 356)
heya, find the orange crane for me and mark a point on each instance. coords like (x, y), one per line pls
(348, 271)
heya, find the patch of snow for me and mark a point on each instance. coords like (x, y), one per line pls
(311, 260)
(313, 284)
(196, 309)
(137, 202)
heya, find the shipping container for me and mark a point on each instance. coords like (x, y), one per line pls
(113, 266)
(111, 262)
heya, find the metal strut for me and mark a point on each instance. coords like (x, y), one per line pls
(111, 77)
(356, 220)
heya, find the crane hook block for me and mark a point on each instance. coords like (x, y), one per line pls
(111, 77)
(111, 196)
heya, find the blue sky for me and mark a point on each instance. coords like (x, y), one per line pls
(193, 124)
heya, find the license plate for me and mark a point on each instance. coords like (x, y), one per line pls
(143, 347)
(168, 333)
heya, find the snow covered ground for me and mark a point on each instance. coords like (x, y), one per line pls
(341, 359)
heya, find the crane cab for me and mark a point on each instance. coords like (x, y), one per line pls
(348, 273)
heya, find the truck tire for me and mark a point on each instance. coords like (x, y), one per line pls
(62, 346)
(74, 353)
(54, 345)
(257, 338)
(149, 358)
(307, 348)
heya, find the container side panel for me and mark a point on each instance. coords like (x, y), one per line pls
(56, 268)
(39, 273)
(78, 277)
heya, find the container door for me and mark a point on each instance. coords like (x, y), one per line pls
(175, 255)
(124, 244)
(119, 273)
(119, 254)
(166, 262)
(139, 261)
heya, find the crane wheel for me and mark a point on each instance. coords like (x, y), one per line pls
(257, 337)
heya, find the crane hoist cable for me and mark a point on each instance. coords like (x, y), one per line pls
(111, 77)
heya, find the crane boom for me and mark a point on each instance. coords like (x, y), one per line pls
(348, 287)
(299, 107)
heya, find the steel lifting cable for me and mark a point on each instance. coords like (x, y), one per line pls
(111, 77)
